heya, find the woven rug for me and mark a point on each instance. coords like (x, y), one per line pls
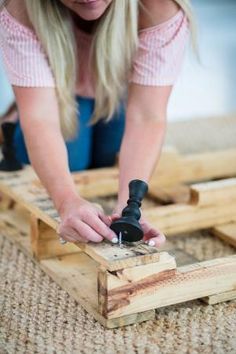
(37, 316)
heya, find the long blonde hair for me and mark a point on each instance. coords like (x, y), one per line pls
(114, 45)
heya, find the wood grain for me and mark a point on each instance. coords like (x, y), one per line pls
(226, 232)
(169, 287)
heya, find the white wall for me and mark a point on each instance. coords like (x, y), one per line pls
(6, 94)
(209, 88)
(204, 89)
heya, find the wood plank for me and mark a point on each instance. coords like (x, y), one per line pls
(18, 218)
(77, 274)
(45, 241)
(71, 272)
(137, 279)
(209, 165)
(194, 167)
(97, 182)
(128, 276)
(181, 256)
(171, 219)
(113, 257)
(5, 202)
(24, 188)
(206, 209)
(128, 319)
(170, 287)
(15, 226)
(104, 181)
(172, 169)
(171, 194)
(176, 219)
(217, 298)
(33, 198)
(214, 192)
(226, 232)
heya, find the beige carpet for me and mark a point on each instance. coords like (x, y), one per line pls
(37, 316)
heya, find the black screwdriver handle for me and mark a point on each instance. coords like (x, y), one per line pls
(137, 191)
(128, 225)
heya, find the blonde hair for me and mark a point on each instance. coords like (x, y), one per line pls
(114, 44)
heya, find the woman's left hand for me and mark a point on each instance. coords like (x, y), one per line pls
(152, 236)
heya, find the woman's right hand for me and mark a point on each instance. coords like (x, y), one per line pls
(83, 221)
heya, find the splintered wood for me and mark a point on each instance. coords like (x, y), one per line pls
(124, 285)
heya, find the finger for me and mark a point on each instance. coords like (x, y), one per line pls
(86, 231)
(71, 235)
(115, 216)
(148, 230)
(153, 237)
(157, 241)
(105, 218)
(67, 238)
(146, 226)
(65, 233)
(100, 227)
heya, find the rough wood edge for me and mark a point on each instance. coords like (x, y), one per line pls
(226, 232)
(170, 287)
(217, 298)
(45, 241)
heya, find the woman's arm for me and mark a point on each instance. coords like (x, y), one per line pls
(155, 69)
(143, 137)
(141, 146)
(39, 117)
(146, 112)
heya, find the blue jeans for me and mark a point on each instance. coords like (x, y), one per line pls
(93, 147)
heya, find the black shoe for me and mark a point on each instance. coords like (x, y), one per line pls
(9, 161)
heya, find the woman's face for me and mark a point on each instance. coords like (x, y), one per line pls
(87, 9)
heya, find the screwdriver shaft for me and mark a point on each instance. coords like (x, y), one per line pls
(120, 238)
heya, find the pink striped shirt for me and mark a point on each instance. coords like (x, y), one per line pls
(157, 61)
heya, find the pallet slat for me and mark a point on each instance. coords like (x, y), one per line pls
(226, 232)
(169, 287)
(206, 208)
(217, 298)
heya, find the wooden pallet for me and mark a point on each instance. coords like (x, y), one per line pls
(120, 286)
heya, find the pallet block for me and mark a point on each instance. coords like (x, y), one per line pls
(124, 285)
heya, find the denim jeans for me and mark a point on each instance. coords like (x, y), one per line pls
(93, 147)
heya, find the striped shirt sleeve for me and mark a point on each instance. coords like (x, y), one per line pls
(24, 59)
(160, 52)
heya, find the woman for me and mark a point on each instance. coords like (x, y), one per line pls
(105, 52)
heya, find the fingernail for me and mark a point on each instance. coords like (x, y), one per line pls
(151, 243)
(114, 240)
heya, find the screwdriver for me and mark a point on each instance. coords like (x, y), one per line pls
(127, 228)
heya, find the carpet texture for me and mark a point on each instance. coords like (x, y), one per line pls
(37, 316)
